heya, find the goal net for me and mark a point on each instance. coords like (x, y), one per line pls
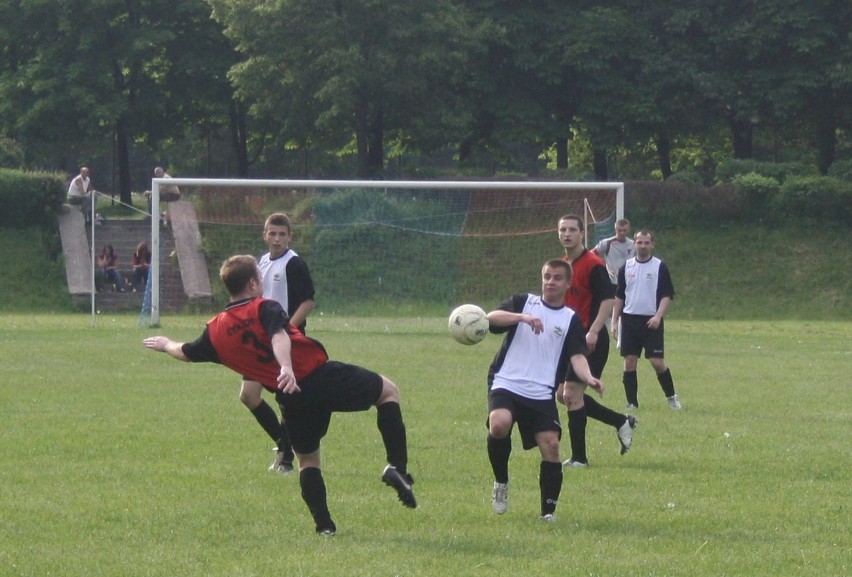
(408, 248)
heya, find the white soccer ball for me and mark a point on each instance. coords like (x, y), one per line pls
(468, 324)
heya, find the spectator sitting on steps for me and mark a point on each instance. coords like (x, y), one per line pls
(141, 262)
(108, 263)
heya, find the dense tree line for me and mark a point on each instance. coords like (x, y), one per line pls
(359, 88)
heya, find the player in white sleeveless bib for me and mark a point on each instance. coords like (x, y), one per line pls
(544, 342)
(286, 279)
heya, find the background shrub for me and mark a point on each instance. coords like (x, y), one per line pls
(754, 191)
(30, 198)
(780, 171)
(814, 197)
(841, 169)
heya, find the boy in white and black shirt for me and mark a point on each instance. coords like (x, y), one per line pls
(544, 345)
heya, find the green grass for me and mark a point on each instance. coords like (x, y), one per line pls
(120, 461)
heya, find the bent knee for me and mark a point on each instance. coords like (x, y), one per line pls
(390, 392)
(250, 397)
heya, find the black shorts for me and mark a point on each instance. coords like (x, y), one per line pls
(597, 358)
(334, 387)
(532, 416)
(635, 336)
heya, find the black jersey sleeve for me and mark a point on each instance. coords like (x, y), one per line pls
(665, 287)
(600, 285)
(201, 350)
(273, 317)
(575, 342)
(513, 304)
(300, 285)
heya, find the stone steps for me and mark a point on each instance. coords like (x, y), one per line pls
(124, 236)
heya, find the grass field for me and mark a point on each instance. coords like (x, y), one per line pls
(118, 461)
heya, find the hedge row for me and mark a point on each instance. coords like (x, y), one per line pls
(751, 197)
(30, 198)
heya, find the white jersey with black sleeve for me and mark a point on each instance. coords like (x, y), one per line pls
(532, 365)
(642, 285)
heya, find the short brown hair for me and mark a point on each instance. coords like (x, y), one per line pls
(237, 271)
(277, 219)
(559, 263)
(580, 224)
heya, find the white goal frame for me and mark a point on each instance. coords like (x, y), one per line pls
(618, 187)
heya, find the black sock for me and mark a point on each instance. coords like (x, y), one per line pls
(498, 453)
(550, 484)
(314, 495)
(284, 445)
(392, 429)
(598, 412)
(268, 420)
(577, 432)
(666, 382)
(631, 387)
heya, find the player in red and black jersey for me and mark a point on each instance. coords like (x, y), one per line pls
(253, 336)
(591, 295)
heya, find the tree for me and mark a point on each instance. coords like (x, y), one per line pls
(84, 78)
(349, 72)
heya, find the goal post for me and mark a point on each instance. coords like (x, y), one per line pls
(393, 246)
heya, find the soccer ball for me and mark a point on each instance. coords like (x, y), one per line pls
(468, 324)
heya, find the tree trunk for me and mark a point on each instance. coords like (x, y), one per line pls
(123, 157)
(362, 141)
(561, 152)
(664, 155)
(825, 138)
(376, 152)
(239, 138)
(741, 136)
(600, 165)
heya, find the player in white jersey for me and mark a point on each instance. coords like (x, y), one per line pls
(544, 345)
(642, 298)
(615, 250)
(286, 279)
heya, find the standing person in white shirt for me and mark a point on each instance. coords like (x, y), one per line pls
(544, 346)
(286, 279)
(615, 251)
(642, 298)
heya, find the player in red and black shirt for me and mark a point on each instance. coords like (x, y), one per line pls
(591, 296)
(253, 336)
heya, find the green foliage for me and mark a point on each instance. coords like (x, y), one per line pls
(755, 190)
(160, 471)
(30, 198)
(33, 276)
(668, 204)
(688, 177)
(821, 198)
(779, 171)
(841, 169)
(11, 153)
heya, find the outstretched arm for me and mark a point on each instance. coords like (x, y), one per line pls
(166, 345)
(501, 318)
